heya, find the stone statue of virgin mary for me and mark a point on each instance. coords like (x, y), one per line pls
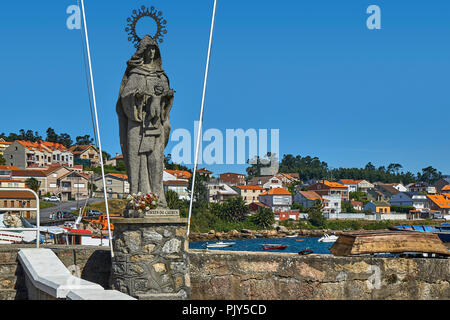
(143, 107)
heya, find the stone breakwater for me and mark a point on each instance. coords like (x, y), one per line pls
(251, 234)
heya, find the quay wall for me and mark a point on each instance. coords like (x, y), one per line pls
(261, 275)
(241, 275)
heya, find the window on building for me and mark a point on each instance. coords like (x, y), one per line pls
(108, 181)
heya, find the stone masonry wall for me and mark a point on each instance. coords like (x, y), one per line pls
(283, 276)
(244, 275)
(151, 260)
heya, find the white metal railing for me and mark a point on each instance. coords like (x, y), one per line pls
(37, 229)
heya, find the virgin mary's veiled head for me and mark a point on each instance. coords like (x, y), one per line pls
(147, 52)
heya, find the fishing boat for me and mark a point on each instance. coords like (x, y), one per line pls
(424, 244)
(442, 230)
(274, 246)
(220, 244)
(327, 238)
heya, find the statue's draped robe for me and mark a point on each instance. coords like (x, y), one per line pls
(143, 108)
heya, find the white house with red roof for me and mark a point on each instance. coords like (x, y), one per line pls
(249, 194)
(26, 154)
(350, 183)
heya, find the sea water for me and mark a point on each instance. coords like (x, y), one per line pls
(294, 245)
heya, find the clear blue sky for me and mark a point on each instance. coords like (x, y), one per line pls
(312, 69)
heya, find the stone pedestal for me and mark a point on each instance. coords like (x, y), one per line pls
(150, 257)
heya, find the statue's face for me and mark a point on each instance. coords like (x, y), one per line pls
(150, 54)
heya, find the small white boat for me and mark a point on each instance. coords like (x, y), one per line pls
(328, 238)
(220, 244)
(292, 236)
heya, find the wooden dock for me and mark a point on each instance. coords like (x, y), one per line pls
(394, 242)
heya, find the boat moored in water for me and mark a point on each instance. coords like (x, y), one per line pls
(327, 238)
(220, 244)
(425, 244)
(442, 230)
(274, 246)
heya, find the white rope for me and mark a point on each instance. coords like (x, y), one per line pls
(201, 115)
(97, 126)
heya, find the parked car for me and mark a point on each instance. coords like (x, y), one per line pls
(52, 199)
(93, 213)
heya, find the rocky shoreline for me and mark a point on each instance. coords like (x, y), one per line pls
(251, 234)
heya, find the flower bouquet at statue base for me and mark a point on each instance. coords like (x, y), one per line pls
(142, 205)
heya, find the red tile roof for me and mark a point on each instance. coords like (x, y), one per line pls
(310, 195)
(42, 146)
(118, 175)
(180, 174)
(28, 173)
(349, 181)
(176, 183)
(276, 191)
(250, 187)
(8, 168)
(440, 200)
(79, 149)
(204, 170)
(333, 184)
(16, 195)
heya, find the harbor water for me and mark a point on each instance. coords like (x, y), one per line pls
(294, 245)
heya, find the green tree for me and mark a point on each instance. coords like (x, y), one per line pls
(33, 184)
(65, 140)
(106, 155)
(298, 206)
(84, 140)
(172, 199)
(429, 175)
(315, 216)
(358, 196)
(233, 209)
(264, 218)
(169, 165)
(394, 168)
(347, 207)
(2, 160)
(292, 186)
(52, 136)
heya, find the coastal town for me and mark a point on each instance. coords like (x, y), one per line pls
(68, 174)
(283, 179)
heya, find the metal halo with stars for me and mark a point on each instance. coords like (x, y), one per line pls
(146, 12)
